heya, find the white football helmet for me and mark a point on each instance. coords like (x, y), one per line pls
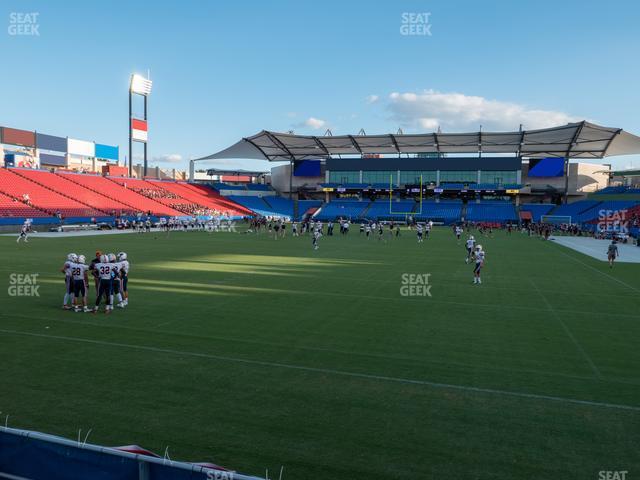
(122, 256)
(479, 247)
(112, 257)
(471, 237)
(104, 259)
(72, 257)
(81, 259)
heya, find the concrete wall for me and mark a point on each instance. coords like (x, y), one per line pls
(582, 178)
(280, 179)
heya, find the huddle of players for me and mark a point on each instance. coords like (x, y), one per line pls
(110, 274)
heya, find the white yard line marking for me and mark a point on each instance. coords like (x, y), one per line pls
(621, 282)
(573, 339)
(321, 349)
(327, 371)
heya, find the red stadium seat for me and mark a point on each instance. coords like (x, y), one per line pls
(18, 182)
(11, 207)
(128, 198)
(202, 195)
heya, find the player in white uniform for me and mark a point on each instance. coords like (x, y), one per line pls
(105, 274)
(427, 228)
(458, 233)
(124, 278)
(68, 283)
(479, 257)
(316, 236)
(116, 282)
(419, 229)
(471, 242)
(80, 276)
(24, 233)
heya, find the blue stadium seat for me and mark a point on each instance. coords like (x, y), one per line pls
(225, 186)
(258, 187)
(443, 211)
(491, 212)
(341, 208)
(574, 209)
(604, 209)
(537, 209)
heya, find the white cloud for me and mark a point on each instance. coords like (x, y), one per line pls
(167, 158)
(372, 99)
(456, 112)
(313, 123)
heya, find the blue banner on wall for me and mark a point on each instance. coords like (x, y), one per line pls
(55, 160)
(49, 142)
(107, 152)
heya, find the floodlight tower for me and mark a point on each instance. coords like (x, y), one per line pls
(138, 131)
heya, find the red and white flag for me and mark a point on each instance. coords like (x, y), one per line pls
(139, 130)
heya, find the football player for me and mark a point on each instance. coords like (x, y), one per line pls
(24, 233)
(80, 274)
(105, 274)
(124, 276)
(471, 242)
(479, 257)
(67, 270)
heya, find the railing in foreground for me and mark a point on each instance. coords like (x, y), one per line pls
(27, 455)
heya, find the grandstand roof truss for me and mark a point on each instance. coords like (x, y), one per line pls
(574, 140)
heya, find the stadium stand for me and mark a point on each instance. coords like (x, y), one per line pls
(307, 207)
(126, 196)
(618, 190)
(397, 210)
(443, 211)
(159, 194)
(342, 208)
(255, 204)
(573, 209)
(537, 209)
(12, 207)
(69, 183)
(491, 212)
(282, 206)
(226, 186)
(204, 196)
(258, 187)
(604, 209)
(16, 183)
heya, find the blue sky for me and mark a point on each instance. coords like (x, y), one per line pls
(227, 69)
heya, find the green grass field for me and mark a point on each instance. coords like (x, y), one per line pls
(255, 354)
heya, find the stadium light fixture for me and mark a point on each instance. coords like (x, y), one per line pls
(140, 85)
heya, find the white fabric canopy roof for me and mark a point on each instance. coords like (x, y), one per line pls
(574, 140)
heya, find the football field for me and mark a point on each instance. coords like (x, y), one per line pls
(364, 359)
